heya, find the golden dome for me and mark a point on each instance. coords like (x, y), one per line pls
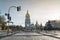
(27, 14)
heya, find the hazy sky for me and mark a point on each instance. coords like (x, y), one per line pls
(40, 10)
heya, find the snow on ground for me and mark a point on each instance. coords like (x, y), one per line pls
(29, 38)
(3, 33)
(28, 33)
(41, 37)
(54, 33)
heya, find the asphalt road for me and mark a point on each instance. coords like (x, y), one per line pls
(28, 36)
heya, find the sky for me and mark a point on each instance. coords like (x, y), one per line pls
(39, 10)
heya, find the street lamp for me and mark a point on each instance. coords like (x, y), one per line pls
(8, 14)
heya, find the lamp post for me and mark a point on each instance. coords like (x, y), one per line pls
(8, 15)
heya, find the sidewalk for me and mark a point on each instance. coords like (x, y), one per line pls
(55, 35)
(4, 34)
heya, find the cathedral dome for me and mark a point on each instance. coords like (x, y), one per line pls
(27, 14)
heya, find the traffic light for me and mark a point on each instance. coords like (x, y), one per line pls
(19, 8)
(8, 16)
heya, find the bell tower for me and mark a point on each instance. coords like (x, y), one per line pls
(27, 20)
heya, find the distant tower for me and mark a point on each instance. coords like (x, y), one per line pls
(36, 25)
(27, 20)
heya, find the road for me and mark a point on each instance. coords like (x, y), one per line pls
(28, 36)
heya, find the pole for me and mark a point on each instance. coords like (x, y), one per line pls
(18, 8)
(8, 28)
